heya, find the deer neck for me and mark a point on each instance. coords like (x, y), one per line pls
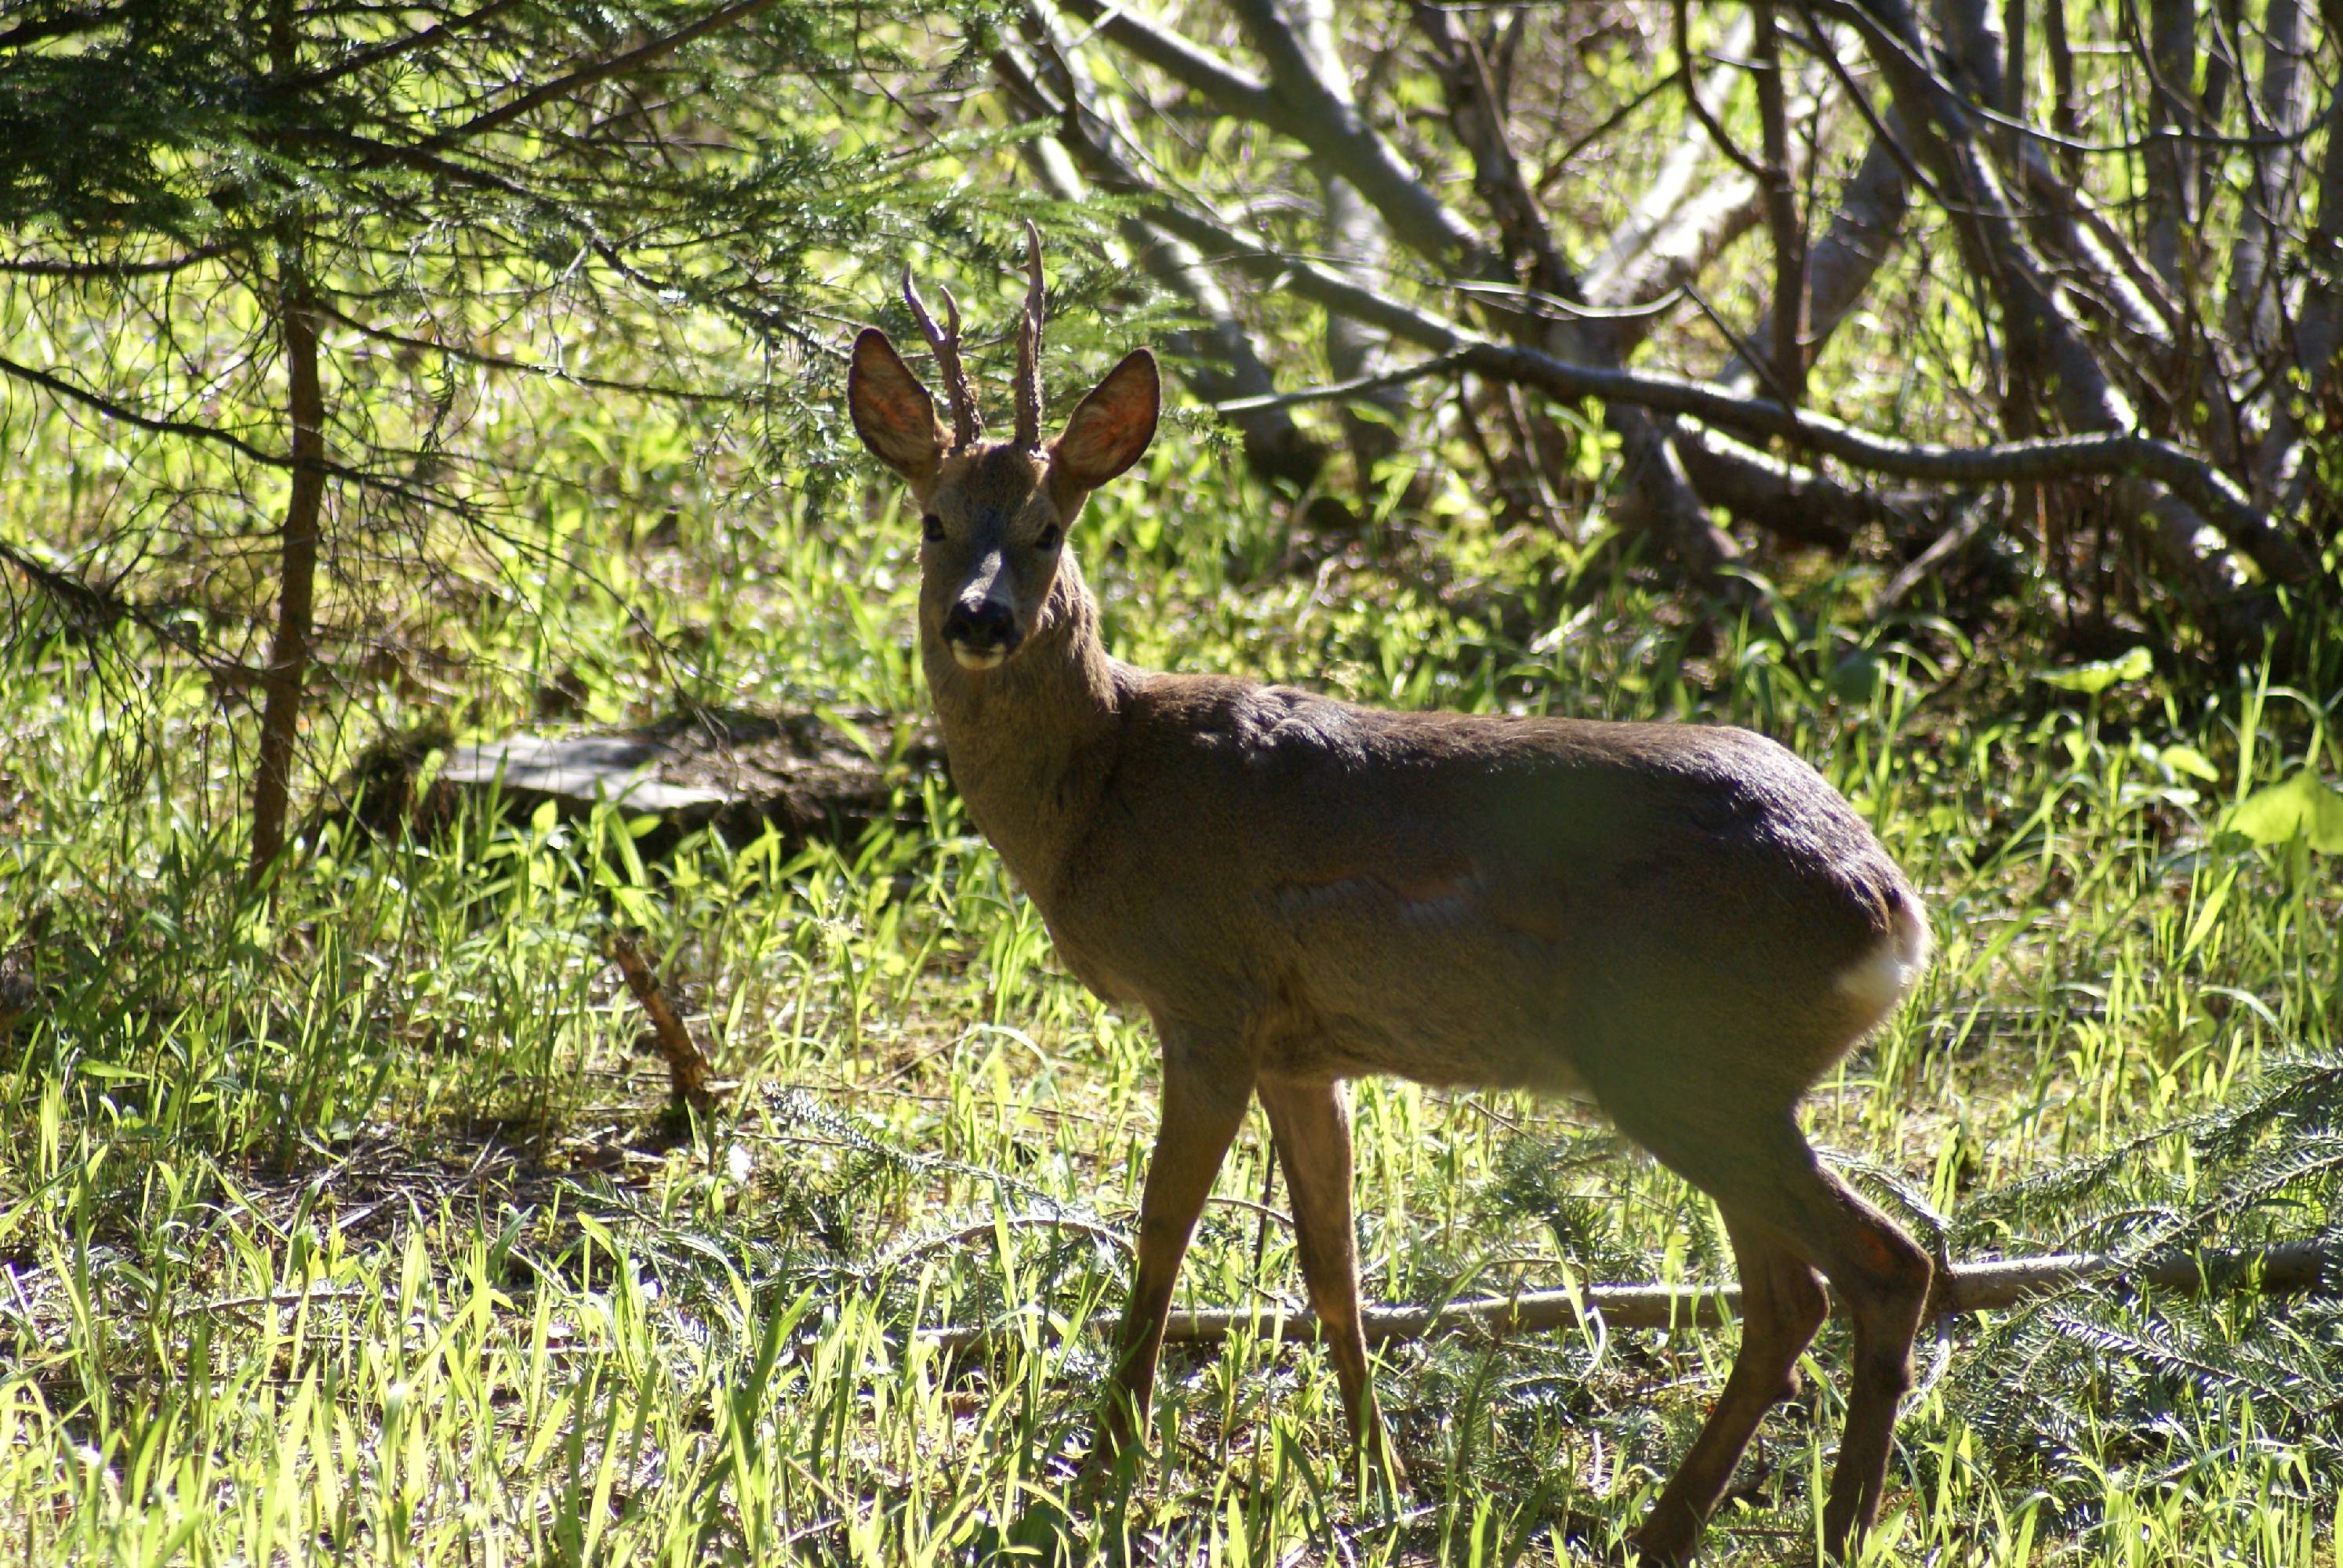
(1032, 741)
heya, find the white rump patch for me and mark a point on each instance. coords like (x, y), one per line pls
(1878, 981)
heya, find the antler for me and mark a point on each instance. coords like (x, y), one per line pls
(1029, 347)
(967, 425)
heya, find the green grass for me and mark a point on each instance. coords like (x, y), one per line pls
(352, 1228)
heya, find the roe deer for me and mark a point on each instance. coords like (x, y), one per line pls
(1685, 922)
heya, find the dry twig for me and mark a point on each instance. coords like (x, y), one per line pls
(687, 1066)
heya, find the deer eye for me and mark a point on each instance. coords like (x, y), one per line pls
(1049, 538)
(931, 527)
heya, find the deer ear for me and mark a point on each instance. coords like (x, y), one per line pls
(1111, 427)
(892, 412)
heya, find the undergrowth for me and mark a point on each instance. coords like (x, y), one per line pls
(351, 1224)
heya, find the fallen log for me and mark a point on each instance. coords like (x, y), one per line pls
(2295, 1268)
(827, 775)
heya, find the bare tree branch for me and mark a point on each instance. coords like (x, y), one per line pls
(1718, 136)
(2097, 343)
(2051, 352)
(1865, 223)
(2060, 216)
(1311, 110)
(1688, 218)
(1658, 493)
(1226, 362)
(2103, 456)
(1685, 217)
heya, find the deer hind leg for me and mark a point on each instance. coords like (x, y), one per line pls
(1782, 1305)
(1312, 1125)
(1883, 1276)
(1206, 1087)
(1765, 1178)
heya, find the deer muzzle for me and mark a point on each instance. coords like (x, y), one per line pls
(981, 627)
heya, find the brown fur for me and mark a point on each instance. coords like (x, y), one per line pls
(1687, 922)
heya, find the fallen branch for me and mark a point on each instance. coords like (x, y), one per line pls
(687, 1066)
(2295, 1268)
(1945, 547)
(2103, 455)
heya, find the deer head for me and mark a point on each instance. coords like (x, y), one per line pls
(993, 515)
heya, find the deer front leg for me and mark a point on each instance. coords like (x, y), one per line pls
(1311, 1124)
(1207, 1081)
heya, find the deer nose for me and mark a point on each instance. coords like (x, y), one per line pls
(985, 628)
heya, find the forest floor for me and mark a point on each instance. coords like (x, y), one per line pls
(354, 1224)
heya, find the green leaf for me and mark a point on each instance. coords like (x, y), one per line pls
(854, 733)
(2301, 805)
(2098, 675)
(2189, 760)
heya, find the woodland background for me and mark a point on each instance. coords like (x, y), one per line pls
(1952, 394)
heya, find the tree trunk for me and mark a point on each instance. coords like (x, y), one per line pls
(1842, 264)
(287, 671)
(296, 567)
(2065, 121)
(1782, 221)
(2014, 48)
(2281, 471)
(2249, 313)
(1976, 49)
(1355, 243)
(2172, 176)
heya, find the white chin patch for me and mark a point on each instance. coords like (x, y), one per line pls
(969, 657)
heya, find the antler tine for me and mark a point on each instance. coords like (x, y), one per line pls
(967, 425)
(1029, 347)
